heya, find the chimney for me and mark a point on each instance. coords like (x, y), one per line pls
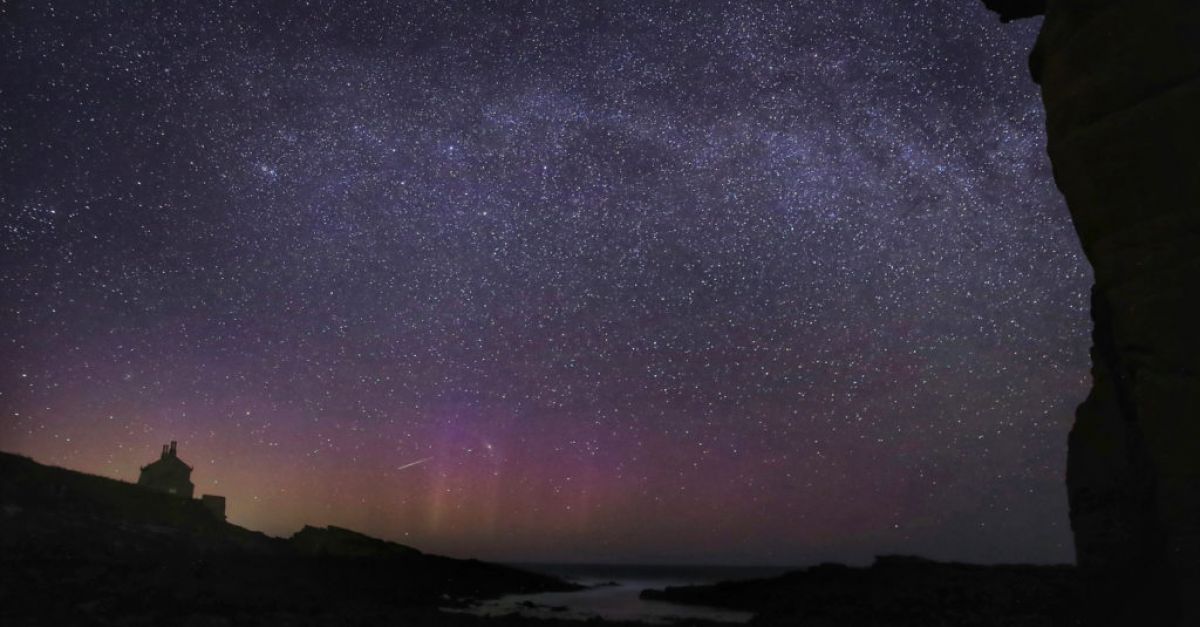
(164, 452)
(173, 448)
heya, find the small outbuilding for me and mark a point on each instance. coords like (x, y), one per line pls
(214, 504)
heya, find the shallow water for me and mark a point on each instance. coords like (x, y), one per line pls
(620, 601)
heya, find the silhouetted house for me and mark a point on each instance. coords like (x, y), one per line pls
(168, 474)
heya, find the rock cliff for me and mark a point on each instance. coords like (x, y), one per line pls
(1121, 85)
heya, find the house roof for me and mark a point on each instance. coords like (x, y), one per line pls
(168, 462)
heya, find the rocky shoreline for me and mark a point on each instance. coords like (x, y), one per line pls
(898, 591)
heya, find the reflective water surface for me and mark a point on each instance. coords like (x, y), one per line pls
(612, 594)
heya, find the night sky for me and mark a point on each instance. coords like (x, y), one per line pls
(587, 281)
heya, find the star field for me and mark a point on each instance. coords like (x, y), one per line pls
(638, 281)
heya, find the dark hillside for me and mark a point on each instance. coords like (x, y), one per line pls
(82, 549)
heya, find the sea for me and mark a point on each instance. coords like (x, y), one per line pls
(611, 593)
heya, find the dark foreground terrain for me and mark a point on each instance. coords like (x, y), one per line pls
(898, 592)
(76, 549)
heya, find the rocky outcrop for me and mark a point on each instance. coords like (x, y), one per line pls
(897, 591)
(1010, 10)
(1121, 86)
(339, 542)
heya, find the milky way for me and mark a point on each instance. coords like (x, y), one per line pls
(620, 281)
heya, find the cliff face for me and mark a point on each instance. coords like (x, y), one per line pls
(1121, 85)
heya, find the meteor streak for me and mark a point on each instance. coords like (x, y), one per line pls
(411, 464)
